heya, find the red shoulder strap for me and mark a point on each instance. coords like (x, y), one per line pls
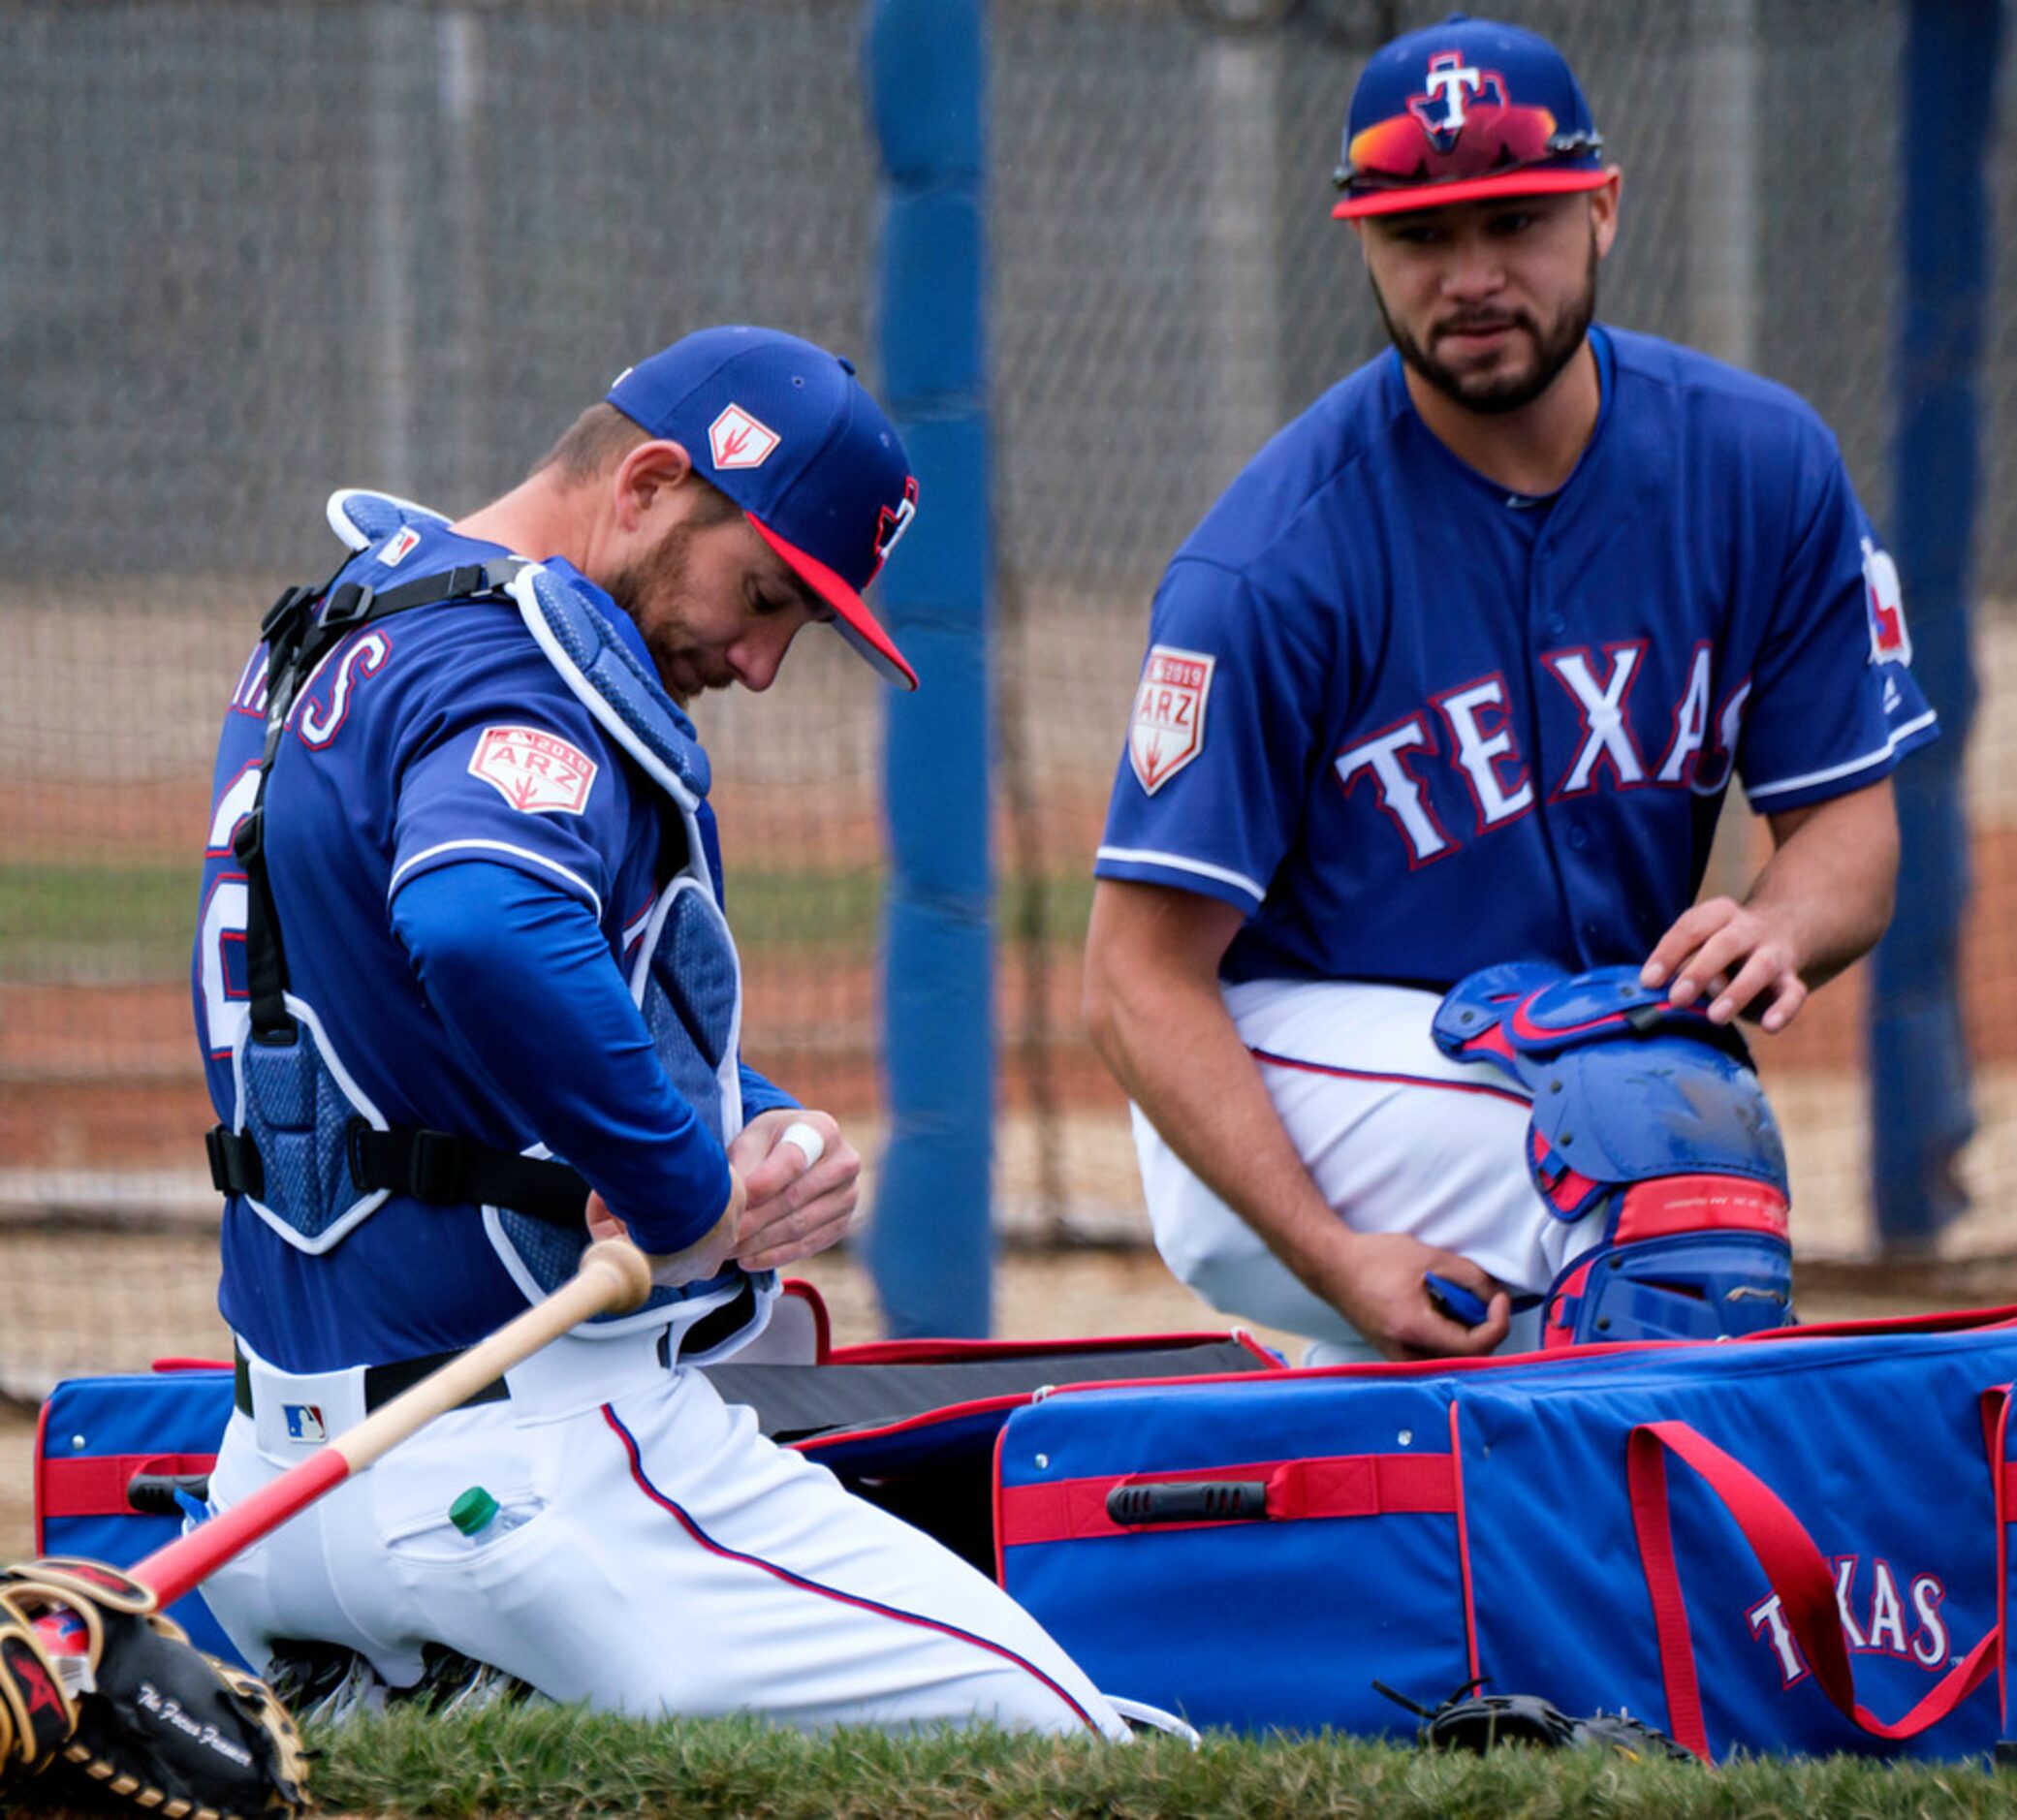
(1798, 1574)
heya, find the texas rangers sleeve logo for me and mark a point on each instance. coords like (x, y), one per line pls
(1889, 641)
(534, 770)
(1168, 728)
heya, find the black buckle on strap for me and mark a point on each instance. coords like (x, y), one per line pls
(348, 604)
(236, 1167)
(434, 1167)
(284, 611)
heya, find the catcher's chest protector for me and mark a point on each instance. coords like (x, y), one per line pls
(1649, 1120)
(302, 1113)
(1791, 1543)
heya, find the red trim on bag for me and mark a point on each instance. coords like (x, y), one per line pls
(42, 1457)
(1693, 1204)
(1946, 1321)
(951, 1351)
(1999, 1458)
(1350, 1485)
(97, 1487)
(1470, 1609)
(799, 1290)
(1797, 1573)
(190, 1364)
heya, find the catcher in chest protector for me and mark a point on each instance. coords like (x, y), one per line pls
(466, 994)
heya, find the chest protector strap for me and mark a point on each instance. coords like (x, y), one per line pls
(1650, 1118)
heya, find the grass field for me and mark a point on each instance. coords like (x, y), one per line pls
(561, 1762)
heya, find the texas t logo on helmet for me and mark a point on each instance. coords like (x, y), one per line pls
(1465, 110)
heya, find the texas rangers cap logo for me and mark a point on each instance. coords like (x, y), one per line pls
(737, 440)
(1167, 729)
(1450, 84)
(536, 772)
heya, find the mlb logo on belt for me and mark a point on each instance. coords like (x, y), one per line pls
(1167, 730)
(304, 1421)
(533, 771)
(737, 440)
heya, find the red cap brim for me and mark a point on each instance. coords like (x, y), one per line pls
(856, 624)
(1416, 196)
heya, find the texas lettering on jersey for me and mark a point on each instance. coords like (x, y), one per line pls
(1469, 732)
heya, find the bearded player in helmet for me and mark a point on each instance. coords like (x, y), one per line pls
(1395, 944)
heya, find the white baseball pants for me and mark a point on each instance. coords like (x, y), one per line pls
(671, 1561)
(1397, 1137)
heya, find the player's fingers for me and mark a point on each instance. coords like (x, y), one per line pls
(1488, 1332)
(1686, 933)
(602, 1223)
(1720, 957)
(1785, 1005)
(1759, 974)
(797, 1237)
(799, 1153)
(799, 1206)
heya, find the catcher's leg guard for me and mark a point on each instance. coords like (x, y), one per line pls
(1649, 1118)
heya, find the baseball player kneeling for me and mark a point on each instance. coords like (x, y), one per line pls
(464, 989)
(1455, 676)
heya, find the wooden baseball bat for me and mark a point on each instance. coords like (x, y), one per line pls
(613, 1278)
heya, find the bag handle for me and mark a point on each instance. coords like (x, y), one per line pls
(1797, 1573)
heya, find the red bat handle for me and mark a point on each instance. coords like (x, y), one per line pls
(176, 1567)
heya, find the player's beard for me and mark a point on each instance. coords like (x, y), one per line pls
(652, 593)
(1495, 394)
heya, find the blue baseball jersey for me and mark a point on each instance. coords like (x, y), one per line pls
(436, 739)
(1414, 726)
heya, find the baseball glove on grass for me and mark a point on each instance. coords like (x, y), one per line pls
(1468, 1720)
(94, 1680)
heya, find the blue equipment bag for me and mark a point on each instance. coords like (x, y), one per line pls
(110, 1455)
(1794, 1542)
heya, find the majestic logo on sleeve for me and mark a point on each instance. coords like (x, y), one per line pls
(1167, 730)
(737, 440)
(1889, 641)
(533, 771)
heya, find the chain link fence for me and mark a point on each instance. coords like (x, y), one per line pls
(251, 252)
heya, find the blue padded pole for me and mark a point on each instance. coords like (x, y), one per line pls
(929, 1240)
(1921, 1116)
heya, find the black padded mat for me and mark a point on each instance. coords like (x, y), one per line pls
(795, 1400)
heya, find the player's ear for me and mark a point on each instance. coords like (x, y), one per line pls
(1603, 210)
(647, 480)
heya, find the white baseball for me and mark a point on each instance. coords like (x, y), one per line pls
(808, 1140)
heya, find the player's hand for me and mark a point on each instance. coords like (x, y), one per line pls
(707, 1256)
(796, 1207)
(1736, 957)
(1377, 1286)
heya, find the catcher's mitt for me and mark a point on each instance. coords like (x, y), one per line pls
(117, 1693)
(1468, 1720)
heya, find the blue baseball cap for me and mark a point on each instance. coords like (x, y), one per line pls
(1461, 110)
(788, 432)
